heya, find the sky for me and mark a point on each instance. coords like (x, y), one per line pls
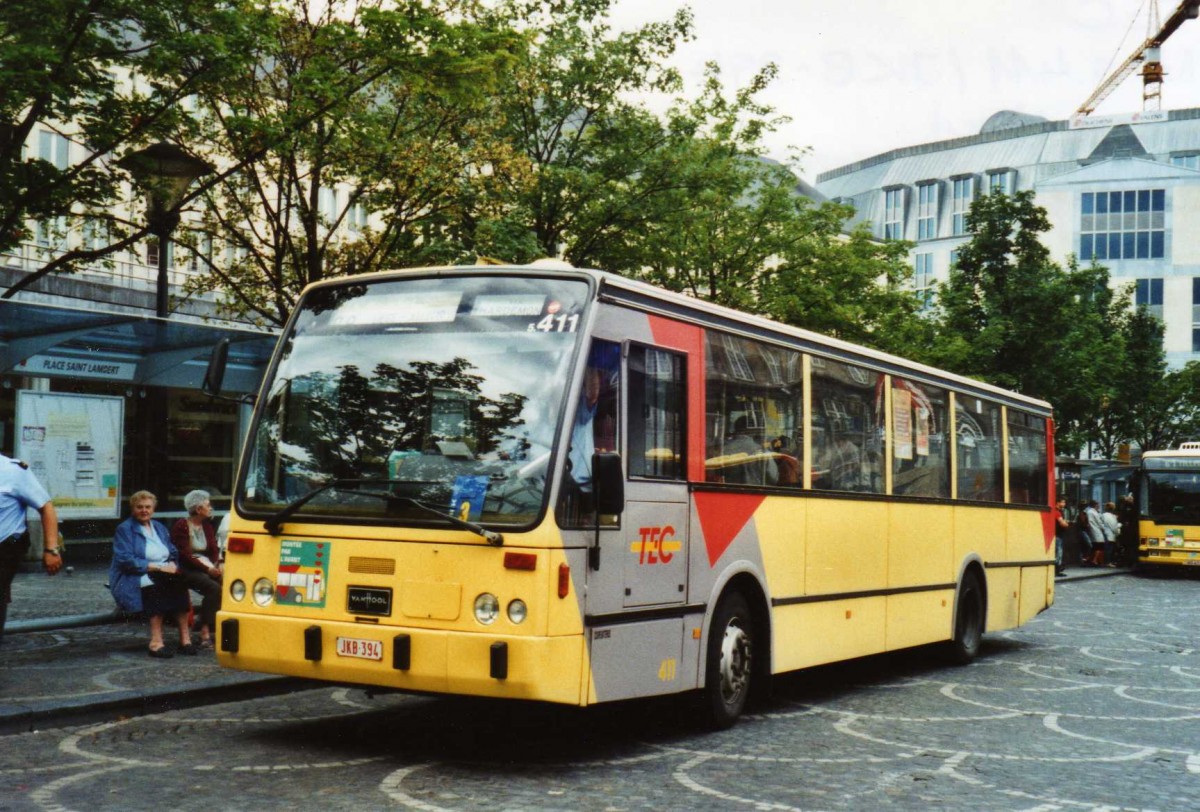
(861, 77)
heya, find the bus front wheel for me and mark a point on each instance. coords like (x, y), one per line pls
(969, 620)
(730, 662)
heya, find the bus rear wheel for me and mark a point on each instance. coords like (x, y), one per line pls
(729, 665)
(969, 620)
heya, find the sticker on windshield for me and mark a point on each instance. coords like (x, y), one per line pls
(511, 305)
(419, 307)
(303, 574)
(466, 502)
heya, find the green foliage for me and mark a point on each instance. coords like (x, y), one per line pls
(1012, 317)
(1170, 410)
(66, 68)
(380, 99)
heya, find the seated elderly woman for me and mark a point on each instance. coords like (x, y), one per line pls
(144, 574)
(199, 558)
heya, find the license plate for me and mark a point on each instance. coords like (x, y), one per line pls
(357, 647)
(1194, 562)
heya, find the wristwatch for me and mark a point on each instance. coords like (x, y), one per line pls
(51, 552)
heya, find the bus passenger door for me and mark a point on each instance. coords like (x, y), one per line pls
(655, 523)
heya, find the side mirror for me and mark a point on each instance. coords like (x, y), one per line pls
(214, 376)
(608, 483)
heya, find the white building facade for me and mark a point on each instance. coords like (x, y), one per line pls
(1123, 190)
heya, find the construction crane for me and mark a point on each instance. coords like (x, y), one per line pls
(1148, 56)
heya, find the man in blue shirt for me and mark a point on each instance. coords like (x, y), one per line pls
(19, 490)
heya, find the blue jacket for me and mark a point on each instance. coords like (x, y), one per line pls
(129, 562)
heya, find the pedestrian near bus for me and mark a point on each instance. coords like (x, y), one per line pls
(20, 490)
(1112, 531)
(1061, 526)
(144, 575)
(1095, 531)
(1082, 530)
(199, 559)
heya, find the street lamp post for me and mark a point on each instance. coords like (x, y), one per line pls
(166, 171)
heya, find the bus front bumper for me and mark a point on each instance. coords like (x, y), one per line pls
(547, 669)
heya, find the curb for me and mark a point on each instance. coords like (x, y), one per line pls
(79, 710)
(1085, 574)
(49, 624)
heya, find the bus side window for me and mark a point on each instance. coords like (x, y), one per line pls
(594, 428)
(657, 414)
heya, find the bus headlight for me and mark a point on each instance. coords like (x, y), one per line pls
(237, 590)
(487, 606)
(518, 611)
(264, 592)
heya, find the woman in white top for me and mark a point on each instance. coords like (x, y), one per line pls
(144, 574)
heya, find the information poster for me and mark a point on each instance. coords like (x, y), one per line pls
(73, 444)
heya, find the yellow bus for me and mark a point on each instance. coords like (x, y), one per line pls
(1167, 488)
(555, 484)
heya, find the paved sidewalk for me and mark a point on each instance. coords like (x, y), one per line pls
(67, 658)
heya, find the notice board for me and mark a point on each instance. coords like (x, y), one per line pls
(73, 444)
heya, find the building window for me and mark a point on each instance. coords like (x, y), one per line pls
(356, 217)
(52, 234)
(927, 211)
(54, 148)
(923, 281)
(202, 254)
(1196, 314)
(964, 193)
(1149, 294)
(1186, 161)
(893, 214)
(1123, 225)
(327, 204)
(152, 252)
(1000, 180)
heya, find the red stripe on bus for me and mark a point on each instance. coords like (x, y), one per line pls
(722, 517)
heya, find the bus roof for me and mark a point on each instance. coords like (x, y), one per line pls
(1184, 450)
(649, 298)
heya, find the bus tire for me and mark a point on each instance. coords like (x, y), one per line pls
(729, 666)
(969, 621)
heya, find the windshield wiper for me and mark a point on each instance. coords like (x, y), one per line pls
(275, 523)
(489, 536)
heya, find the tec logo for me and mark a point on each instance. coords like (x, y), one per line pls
(657, 545)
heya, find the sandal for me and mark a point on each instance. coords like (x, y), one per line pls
(206, 644)
(160, 653)
(189, 650)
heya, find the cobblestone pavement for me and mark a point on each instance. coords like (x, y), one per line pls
(82, 590)
(1093, 706)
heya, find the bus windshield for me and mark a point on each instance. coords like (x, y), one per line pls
(395, 397)
(1171, 489)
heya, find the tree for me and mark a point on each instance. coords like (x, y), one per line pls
(1170, 411)
(1133, 377)
(1014, 318)
(590, 159)
(852, 287)
(102, 76)
(349, 127)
